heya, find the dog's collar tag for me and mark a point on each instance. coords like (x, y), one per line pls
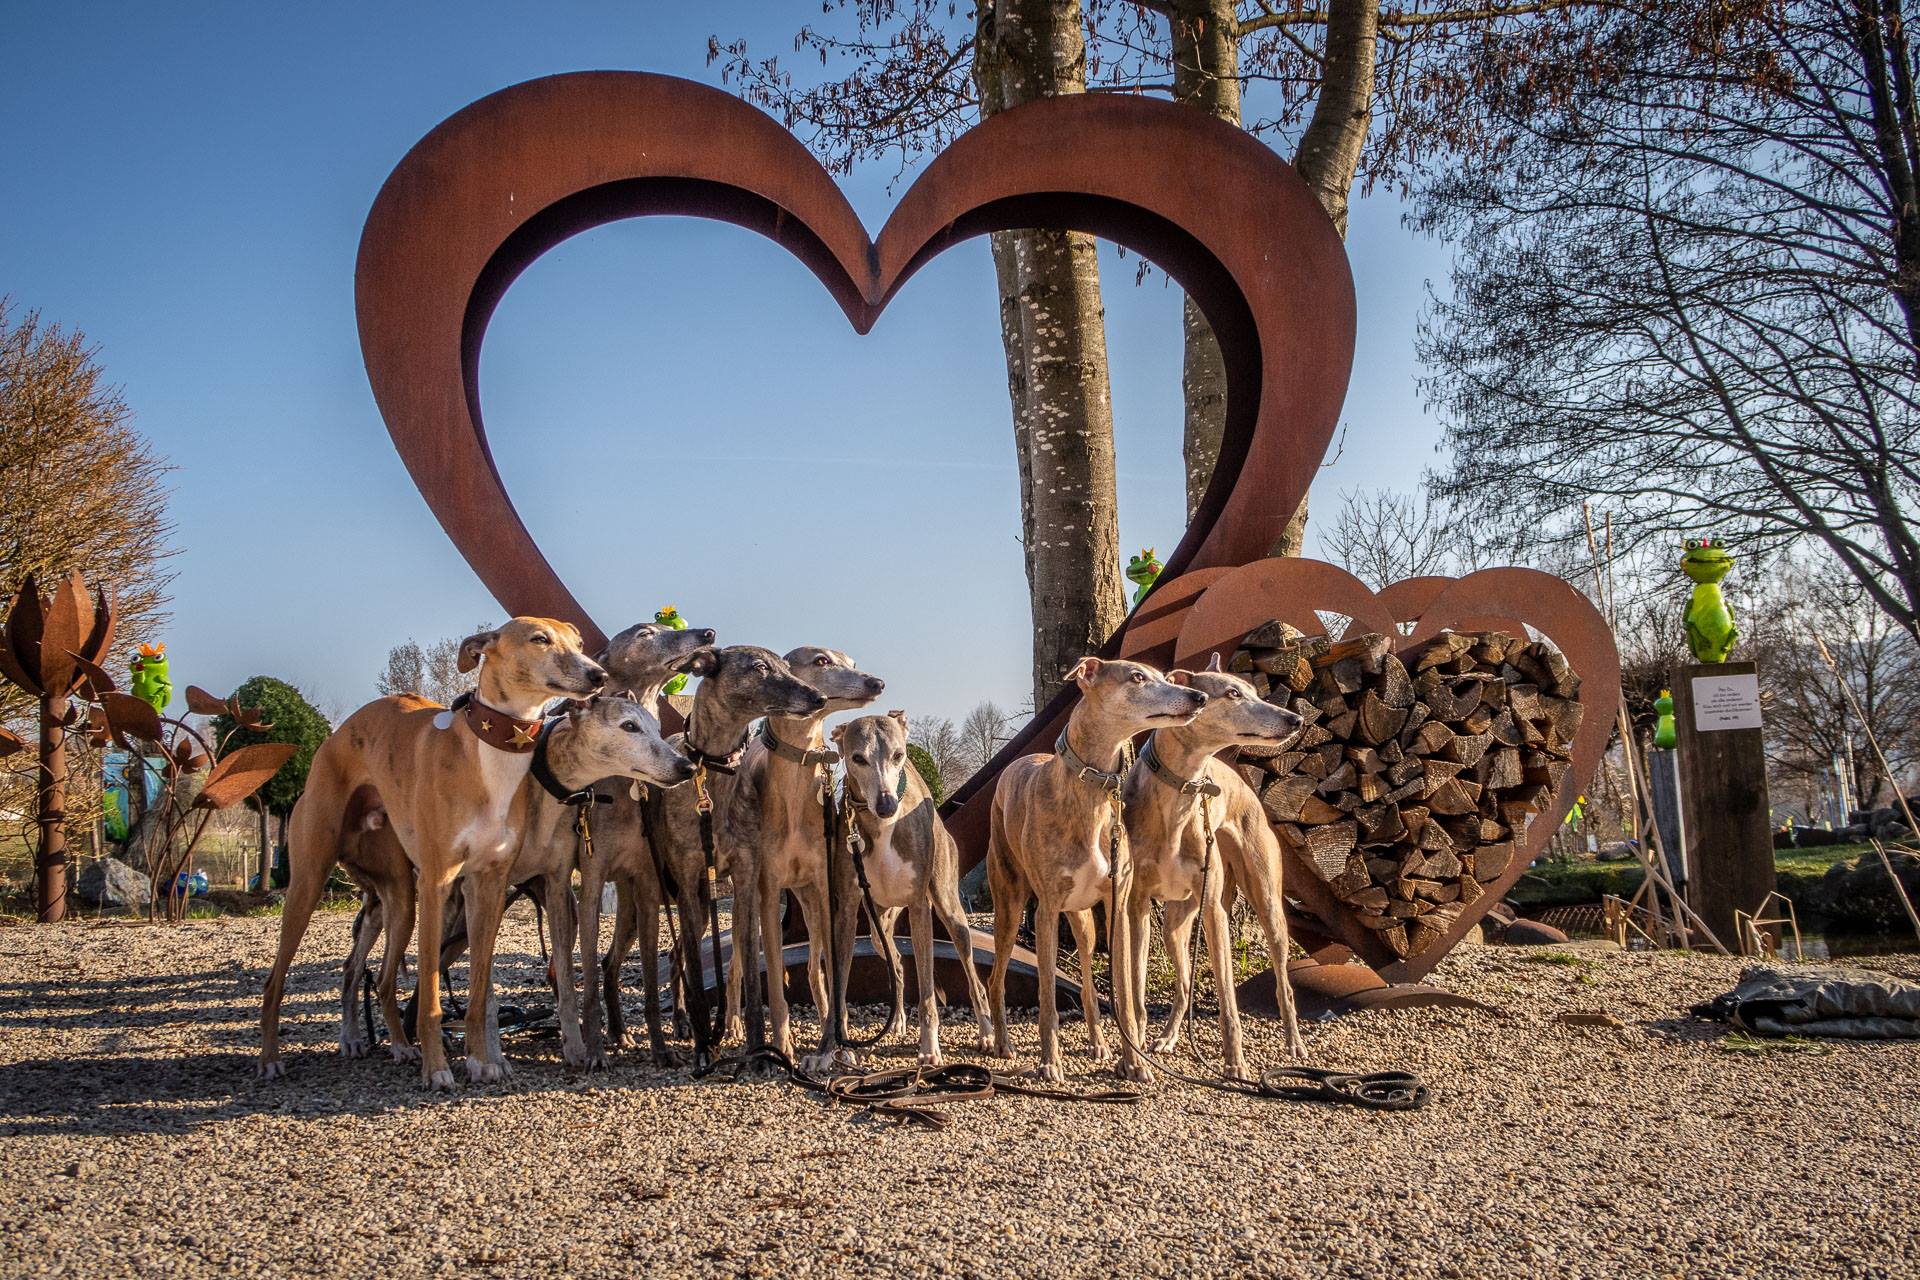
(444, 720)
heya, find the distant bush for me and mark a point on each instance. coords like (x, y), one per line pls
(929, 772)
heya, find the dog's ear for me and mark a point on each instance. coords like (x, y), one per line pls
(476, 645)
(1180, 677)
(837, 733)
(899, 715)
(1213, 663)
(702, 662)
(1084, 670)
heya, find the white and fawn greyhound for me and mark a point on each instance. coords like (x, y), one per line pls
(1059, 837)
(910, 863)
(1179, 796)
(738, 685)
(605, 736)
(451, 787)
(776, 830)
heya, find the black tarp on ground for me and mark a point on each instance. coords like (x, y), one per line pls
(1852, 1003)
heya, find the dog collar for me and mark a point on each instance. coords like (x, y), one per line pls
(496, 728)
(712, 763)
(795, 754)
(1064, 749)
(1201, 786)
(549, 781)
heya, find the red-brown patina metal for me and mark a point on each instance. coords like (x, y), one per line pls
(1509, 599)
(499, 183)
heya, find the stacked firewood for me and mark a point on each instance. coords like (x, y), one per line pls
(1418, 773)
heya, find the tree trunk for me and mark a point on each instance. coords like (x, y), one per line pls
(50, 858)
(1053, 329)
(266, 847)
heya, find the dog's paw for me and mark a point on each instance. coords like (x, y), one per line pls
(1135, 1071)
(1166, 1042)
(735, 1031)
(440, 1081)
(272, 1069)
(895, 1027)
(1050, 1073)
(996, 1047)
(1237, 1070)
(354, 1047)
(480, 1071)
(668, 1058)
(575, 1053)
(1100, 1053)
(404, 1052)
(929, 1061)
(1296, 1048)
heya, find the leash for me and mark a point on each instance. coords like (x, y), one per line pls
(1378, 1091)
(708, 1025)
(831, 816)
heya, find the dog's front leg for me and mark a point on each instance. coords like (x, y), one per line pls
(562, 928)
(366, 931)
(920, 924)
(953, 918)
(1179, 932)
(400, 894)
(1084, 938)
(433, 1051)
(773, 948)
(1213, 920)
(486, 903)
(592, 1032)
(1046, 946)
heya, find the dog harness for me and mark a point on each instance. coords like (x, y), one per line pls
(495, 727)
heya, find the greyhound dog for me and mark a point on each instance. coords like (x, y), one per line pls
(1175, 806)
(1057, 835)
(639, 661)
(910, 863)
(450, 785)
(776, 830)
(738, 685)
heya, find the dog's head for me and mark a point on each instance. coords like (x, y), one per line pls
(832, 675)
(873, 750)
(648, 654)
(1235, 714)
(1133, 696)
(617, 737)
(743, 682)
(531, 659)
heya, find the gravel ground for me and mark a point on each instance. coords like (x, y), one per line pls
(134, 1139)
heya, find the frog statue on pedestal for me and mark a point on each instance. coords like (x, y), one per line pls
(1711, 633)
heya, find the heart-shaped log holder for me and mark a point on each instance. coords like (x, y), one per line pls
(1515, 602)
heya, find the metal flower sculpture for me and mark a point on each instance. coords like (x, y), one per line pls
(54, 650)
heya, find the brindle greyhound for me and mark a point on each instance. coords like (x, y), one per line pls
(639, 661)
(1058, 836)
(1176, 796)
(738, 685)
(776, 830)
(911, 863)
(450, 785)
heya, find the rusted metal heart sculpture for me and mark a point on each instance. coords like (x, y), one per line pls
(1509, 600)
(501, 182)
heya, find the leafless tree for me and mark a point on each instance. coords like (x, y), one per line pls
(1383, 536)
(903, 77)
(940, 738)
(982, 733)
(433, 672)
(1688, 287)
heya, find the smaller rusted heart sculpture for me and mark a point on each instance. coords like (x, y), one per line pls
(1466, 730)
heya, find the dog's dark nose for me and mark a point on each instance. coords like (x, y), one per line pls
(886, 804)
(705, 634)
(1199, 699)
(597, 678)
(876, 686)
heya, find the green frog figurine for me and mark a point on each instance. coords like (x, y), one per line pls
(1710, 630)
(1664, 736)
(151, 682)
(670, 617)
(1142, 570)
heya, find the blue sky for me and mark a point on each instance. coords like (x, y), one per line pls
(681, 413)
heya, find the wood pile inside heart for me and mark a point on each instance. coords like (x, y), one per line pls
(1418, 772)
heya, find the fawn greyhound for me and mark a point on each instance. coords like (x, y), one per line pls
(776, 830)
(450, 786)
(638, 661)
(738, 685)
(1177, 801)
(1058, 836)
(910, 863)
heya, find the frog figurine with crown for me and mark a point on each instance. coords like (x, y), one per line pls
(1710, 630)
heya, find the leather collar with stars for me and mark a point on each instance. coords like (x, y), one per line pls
(498, 729)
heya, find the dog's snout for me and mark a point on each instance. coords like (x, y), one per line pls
(886, 805)
(1199, 698)
(706, 635)
(876, 686)
(597, 677)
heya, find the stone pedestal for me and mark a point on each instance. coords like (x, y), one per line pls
(1723, 776)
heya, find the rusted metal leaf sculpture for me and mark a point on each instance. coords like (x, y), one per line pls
(202, 703)
(131, 720)
(243, 771)
(10, 742)
(52, 649)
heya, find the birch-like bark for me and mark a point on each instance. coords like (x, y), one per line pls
(1053, 327)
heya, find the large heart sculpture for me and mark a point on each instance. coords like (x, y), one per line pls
(499, 183)
(1510, 600)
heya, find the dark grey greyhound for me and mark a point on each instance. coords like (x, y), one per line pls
(738, 685)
